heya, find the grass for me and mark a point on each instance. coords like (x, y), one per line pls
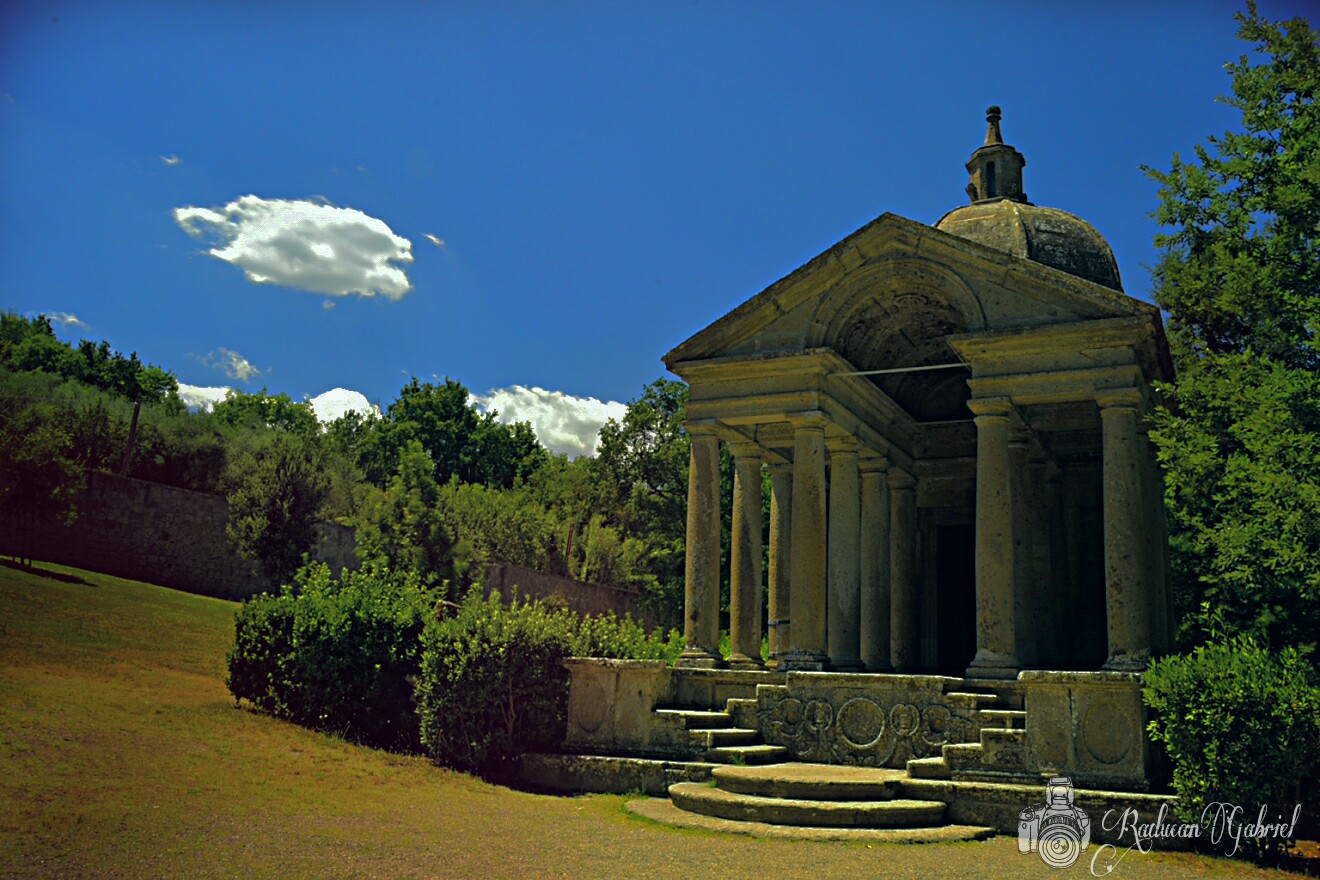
(124, 756)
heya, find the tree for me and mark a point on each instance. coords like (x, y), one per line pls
(402, 527)
(275, 491)
(262, 410)
(41, 476)
(1239, 436)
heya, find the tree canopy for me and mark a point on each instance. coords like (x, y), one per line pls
(1239, 436)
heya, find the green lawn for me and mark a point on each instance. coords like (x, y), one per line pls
(124, 756)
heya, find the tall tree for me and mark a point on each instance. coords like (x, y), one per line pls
(275, 491)
(1239, 438)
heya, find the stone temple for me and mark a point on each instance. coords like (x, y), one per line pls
(966, 560)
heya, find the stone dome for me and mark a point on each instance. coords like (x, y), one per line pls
(1046, 235)
(1000, 216)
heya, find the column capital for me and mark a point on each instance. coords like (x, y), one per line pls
(990, 407)
(900, 479)
(811, 419)
(876, 466)
(782, 468)
(842, 446)
(1117, 398)
(744, 449)
(702, 428)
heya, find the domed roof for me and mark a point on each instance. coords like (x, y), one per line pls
(1001, 217)
(1047, 235)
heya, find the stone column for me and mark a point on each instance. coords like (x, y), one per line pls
(904, 650)
(745, 559)
(844, 604)
(1058, 611)
(874, 561)
(996, 631)
(807, 554)
(781, 518)
(1127, 589)
(1024, 583)
(701, 595)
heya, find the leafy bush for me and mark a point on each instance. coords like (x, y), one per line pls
(493, 684)
(1241, 726)
(338, 656)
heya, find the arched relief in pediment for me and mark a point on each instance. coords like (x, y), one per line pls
(897, 313)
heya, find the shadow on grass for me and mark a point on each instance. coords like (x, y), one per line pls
(45, 573)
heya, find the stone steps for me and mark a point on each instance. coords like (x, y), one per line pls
(716, 737)
(1008, 719)
(928, 768)
(695, 719)
(758, 753)
(822, 782)
(894, 813)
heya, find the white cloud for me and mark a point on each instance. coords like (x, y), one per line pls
(201, 398)
(171, 160)
(64, 319)
(563, 423)
(338, 401)
(304, 244)
(232, 364)
(438, 242)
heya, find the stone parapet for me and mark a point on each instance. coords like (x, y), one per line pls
(1088, 725)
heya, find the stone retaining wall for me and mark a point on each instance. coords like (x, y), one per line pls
(580, 596)
(158, 534)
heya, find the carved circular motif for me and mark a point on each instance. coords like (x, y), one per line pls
(861, 723)
(936, 722)
(905, 719)
(819, 715)
(1107, 737)
(791, 709)
(590, 705)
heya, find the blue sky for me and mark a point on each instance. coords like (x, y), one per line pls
(605, 179)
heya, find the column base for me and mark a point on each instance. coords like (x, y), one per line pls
(695, 658)
(1126, 663)
(880, 669)
(848, 666)
(804, 661)
(992, 664)
(742, 661)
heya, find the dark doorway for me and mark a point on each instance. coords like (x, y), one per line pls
(955, 597)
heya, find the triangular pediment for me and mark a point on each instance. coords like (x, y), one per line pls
(886, 295)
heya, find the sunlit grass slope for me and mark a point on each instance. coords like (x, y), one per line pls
(123, 755)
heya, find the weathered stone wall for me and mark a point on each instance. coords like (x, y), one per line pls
(582, 597)
(158, 534)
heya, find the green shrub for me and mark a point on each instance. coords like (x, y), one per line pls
(493, 683)
(338, 656)
(1241, 726)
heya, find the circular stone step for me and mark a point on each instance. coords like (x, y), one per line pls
(697, 798)
(663, 810)
(817, 782)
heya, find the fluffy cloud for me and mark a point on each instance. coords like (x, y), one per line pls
(338, 401)
(563, 423)
(64, 319)
(201, 398)
(232, 364)
(171, 160)
(305, 245)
